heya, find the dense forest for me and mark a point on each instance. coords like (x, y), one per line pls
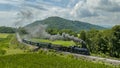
(105, 42)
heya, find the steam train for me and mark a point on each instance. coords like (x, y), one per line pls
(72, 49)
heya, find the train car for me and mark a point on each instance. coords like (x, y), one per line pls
(44, 45)
(56, 47)
(73, 49)
(78, 50)
(83, 51)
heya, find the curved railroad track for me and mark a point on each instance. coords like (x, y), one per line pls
(92, 58)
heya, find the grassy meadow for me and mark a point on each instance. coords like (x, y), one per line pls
(3, 35)
(9, 45)
(44, 59)
(4, 40)
(58, 42)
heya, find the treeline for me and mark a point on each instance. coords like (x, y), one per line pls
(98, 41)
(4, 29)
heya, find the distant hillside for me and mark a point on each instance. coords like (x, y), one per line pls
(4, 29)
(61, 23)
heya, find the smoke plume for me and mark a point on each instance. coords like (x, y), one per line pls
(40, 32)
(25, 15)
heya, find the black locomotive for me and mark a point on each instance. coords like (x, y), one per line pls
(72, 49)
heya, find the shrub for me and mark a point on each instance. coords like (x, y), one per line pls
(2, 52)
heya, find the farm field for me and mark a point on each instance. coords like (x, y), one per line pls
(58, 42)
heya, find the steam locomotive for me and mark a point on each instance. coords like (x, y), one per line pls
(72, 49)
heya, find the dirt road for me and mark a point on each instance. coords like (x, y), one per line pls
(93, 58)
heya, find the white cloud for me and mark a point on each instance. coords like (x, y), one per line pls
(104, 12)
(7, 18)
(93, 11)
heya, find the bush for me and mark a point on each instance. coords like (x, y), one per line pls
(2, 52)
(42, 51)
(69, 56)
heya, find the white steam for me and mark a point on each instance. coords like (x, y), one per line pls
(40, 32)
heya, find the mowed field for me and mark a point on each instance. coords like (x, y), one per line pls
(56, 42)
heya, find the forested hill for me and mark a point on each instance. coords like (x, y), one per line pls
(4, 29)
(61, 23)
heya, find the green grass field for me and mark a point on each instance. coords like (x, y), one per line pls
(4, 40)
(3, 35)
(59, 42)
(9, 45)
(43, 60)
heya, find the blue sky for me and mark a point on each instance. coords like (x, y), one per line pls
(100, 12)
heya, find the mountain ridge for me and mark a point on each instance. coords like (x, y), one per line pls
(61, 23)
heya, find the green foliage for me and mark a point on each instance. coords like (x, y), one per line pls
(115, 49)
(60, 23)
(22, 31)
(116, 31)
(2, 52)
(57, 31)
(83, 35)
(68, 31)
(4, 29)
(91, 40)
(103, 41)
(52, 31)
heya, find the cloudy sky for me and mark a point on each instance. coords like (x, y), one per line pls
(100, 12)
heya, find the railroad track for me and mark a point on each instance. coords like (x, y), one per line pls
(92, 58)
